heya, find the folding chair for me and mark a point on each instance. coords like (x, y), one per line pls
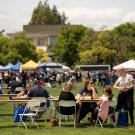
(31, 111)
(99, 120)
(67, 104)
(113, 104)
(43, 106)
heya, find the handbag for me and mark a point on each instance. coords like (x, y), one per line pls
(19, 110)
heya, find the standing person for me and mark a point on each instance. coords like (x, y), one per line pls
(24, 78)
(1, 78)
(58, 79)
(88, 76)
(94, 77)
(125, 84)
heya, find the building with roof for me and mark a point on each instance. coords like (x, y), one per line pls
(43, 36)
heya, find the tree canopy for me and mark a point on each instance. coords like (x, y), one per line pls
(19, 49)
(66, 49)
(96, 47)
(43, 14)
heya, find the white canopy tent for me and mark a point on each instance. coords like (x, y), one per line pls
(65, 68)
(128, 65)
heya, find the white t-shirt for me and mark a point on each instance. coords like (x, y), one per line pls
(125, 81)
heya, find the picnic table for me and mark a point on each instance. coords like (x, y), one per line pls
(88, 100)
(83, 99)
(8, 95)
(13, 101)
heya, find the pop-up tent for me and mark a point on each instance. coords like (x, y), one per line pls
(1, 67)
(17, 66)
(65, 68)
(7, 67)
(29, 65)
(128, 65)
(50, 65)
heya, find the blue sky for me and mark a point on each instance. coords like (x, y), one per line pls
(93, 13)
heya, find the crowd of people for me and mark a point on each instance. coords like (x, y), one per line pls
(34, 84)
(125, 85)
(55, 78)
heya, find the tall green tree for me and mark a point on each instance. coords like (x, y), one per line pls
(24, 48)
(4, 49)
(124, 41)
(44, 15)
(98, 55)
(19, 49)
(66, 48)
(86, 42)
(121, 40)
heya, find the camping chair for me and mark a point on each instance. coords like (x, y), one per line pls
(67, 104)
(109, 115)
(31, 111)
(43, 106)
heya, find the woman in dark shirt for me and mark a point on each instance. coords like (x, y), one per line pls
(66, 94)
(86, 107)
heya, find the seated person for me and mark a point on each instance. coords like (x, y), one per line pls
(103, 105)
(86, 107)
(66, 94)
(38, 91)
(25, 92)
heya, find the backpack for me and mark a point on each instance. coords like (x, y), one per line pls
(123, 118)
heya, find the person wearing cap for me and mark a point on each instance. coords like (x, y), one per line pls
(90, 91)
(125, 84)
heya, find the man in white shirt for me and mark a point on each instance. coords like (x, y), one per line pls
(125, 85)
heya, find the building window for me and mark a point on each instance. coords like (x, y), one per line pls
(51, 40)
(40, 42)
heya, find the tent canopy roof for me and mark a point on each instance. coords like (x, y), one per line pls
(29, 65)
(16, 67)
(50, 65)
(128, 65)
(7, 67)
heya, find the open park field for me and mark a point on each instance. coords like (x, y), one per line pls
(8, 127)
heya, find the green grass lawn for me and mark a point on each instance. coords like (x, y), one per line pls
(8, 127)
